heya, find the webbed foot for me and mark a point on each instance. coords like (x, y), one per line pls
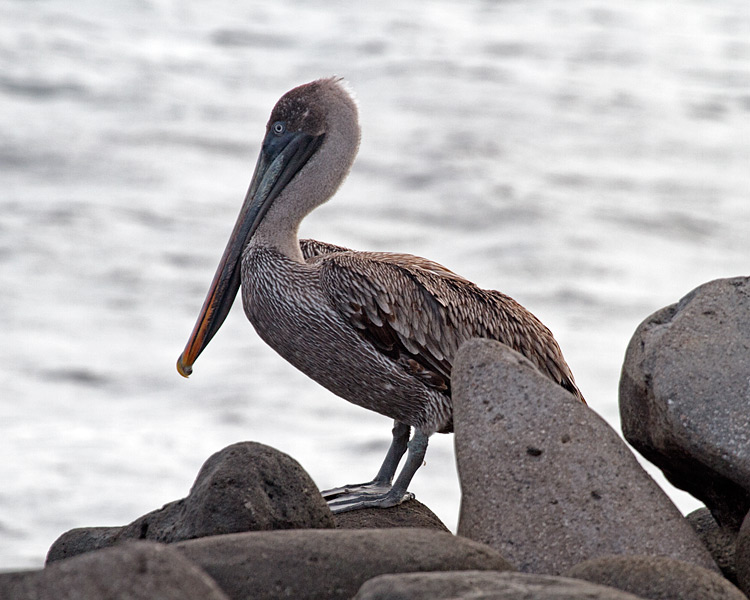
(364, 495)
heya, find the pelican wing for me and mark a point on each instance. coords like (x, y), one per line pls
(418, 313)
(311, 249)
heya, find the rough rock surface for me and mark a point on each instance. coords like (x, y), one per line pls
(720, 541)
(84, 539)
(411, 513)
(479, 585)
(684, 395)
(545, 480)
(742, 556)
(657, 578)
(244, 487)
(328, 564)
(132, 571)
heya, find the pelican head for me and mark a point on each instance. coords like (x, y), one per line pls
(311, 140)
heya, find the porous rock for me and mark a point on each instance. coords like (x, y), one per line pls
(484, 585)
(329, 564)
(720, 541)
(244, 487)
(684, 395)
(411, 513)
(742, 556)
(132, 571)
(84, 539)
(657, 578)
(545, 480)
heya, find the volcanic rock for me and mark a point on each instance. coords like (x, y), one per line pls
(657, 578)
(742, 556)
(684, 395)
(545, 480)
(132, 571)
(244, 487)
(720, 541)
(329, 564)
(480, 585)
(411, 513)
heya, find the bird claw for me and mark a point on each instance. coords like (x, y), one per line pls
(364, 495)
(371, 488)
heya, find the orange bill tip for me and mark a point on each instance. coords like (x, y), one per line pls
(182, 368)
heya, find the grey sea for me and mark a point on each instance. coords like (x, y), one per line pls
(589, 158)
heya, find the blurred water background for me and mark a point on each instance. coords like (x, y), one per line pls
(589, 158)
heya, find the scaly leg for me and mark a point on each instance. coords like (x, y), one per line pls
(398, 446)
(385, 495)
(382, 481)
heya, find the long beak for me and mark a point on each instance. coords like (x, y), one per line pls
(280, 160)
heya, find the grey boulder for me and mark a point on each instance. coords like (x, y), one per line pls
(328, 564)
(244, 487)
(742, 556)
(657, 578)
(132, 571)
(720, 541)
(545, 480)
(411, 513)
(684, 395)
(484, 585)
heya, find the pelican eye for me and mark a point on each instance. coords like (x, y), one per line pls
(278, 127)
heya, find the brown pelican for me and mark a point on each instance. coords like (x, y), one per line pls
(378, 329)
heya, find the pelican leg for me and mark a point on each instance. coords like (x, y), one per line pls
(399, 443)
(386, 495)
(382, 481)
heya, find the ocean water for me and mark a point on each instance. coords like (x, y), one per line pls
(590, 159)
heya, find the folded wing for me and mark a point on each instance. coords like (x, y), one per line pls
(418, 313)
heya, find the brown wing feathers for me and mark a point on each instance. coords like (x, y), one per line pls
(418, 312)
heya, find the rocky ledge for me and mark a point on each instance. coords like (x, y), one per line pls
(554, 503)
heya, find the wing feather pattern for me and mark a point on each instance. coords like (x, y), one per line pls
(418, 313)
